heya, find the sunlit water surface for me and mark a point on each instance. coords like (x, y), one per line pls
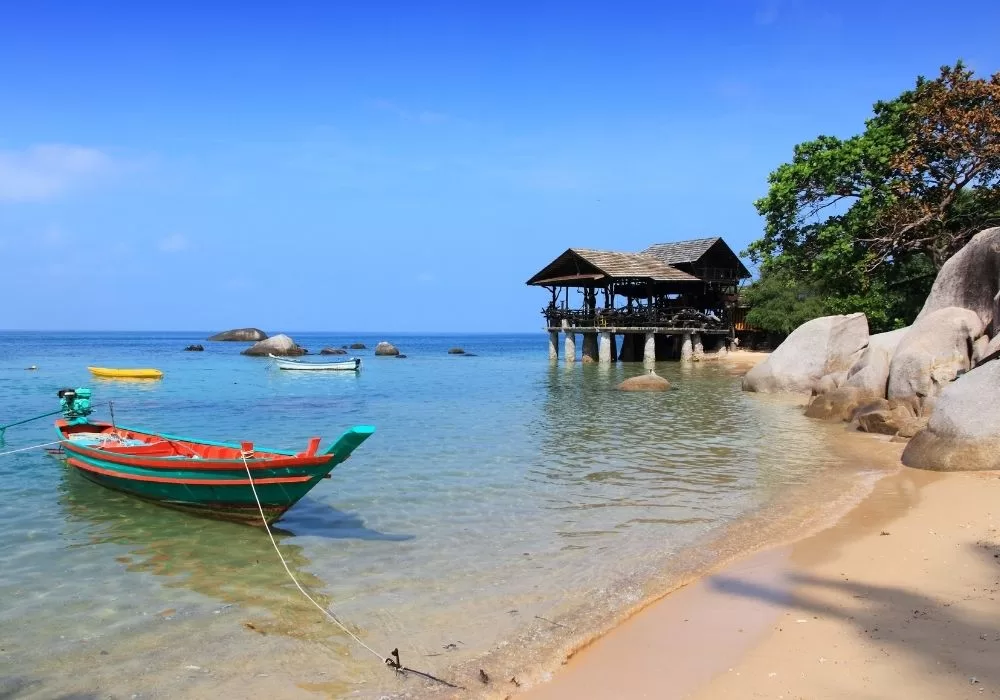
(505, 509)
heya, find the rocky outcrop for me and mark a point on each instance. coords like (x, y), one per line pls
(358, 346)
(870, 374)
(456, 351)
(815, 349)
(650, 381)
(194, 348)
(385, 349)
(241, 335)
(332, 351)
(964, 428)
(935, 350)
(280, 345)
(970, 280)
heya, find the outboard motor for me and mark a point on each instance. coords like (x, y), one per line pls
(75, 405)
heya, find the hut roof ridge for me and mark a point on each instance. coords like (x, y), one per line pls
(623, 264)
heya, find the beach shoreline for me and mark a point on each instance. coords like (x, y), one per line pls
(894, 599)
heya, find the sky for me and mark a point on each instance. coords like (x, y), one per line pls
(404, 166)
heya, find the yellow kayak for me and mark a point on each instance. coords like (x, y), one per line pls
(125, 373)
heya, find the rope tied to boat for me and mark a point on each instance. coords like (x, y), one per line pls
(392, 661)
(33, 447)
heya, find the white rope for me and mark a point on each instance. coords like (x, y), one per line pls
(292, 576)
(33, 447)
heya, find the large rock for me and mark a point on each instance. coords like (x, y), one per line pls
(937, 347)
(841, 393)
(970, 280)
(386, 349)
(195, 348)
(816, 348)
(884, 417)
(870, 374)
(650, 381)
(241, 335)
(964, 428)
(280, 345)
(332, 351)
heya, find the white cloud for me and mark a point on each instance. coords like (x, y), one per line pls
(424, 116)
(174, 243)
(45, 171)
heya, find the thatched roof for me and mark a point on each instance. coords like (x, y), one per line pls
(584, 264)
(681, 251)
(693, 251)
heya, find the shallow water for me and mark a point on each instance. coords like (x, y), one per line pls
(504, 508)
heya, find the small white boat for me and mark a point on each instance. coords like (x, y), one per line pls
(351, 365)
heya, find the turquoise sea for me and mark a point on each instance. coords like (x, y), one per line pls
(506, 509)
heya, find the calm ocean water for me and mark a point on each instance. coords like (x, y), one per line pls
(504, 509)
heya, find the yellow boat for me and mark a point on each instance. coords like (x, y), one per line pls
(110, 373)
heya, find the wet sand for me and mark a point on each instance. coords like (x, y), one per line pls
(898, 599)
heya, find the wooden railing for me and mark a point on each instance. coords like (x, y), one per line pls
(644, 317)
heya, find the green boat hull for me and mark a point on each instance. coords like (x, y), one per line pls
(215, 487)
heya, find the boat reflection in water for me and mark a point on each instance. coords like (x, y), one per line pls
(227, 562)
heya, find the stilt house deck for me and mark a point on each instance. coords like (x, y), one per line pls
(665, 300)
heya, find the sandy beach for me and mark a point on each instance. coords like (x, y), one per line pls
(898, 599)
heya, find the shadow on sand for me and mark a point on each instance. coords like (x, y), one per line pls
(901, 619)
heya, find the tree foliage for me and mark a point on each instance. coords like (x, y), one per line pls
(862, 224)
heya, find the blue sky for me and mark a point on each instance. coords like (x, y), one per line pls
(378, 166)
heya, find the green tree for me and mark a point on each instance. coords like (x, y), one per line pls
(862, 224)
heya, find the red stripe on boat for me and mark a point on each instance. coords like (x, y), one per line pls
(194, 482)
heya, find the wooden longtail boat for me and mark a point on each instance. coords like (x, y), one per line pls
(208, 478)
(351, 365)
(111, 373)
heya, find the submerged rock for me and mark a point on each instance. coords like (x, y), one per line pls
(386, 349)
(645, 382)
(194, 348)
(816, 348)
(358, 346)
(456, 351)
(963, 432)
(280, 345)
(332, 351)
(241, 335)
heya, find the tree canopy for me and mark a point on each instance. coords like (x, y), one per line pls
(864, 223)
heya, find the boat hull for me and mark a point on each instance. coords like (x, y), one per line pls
(215, 483)
(112, 373)
(351, 365)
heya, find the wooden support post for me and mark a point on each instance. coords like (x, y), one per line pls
(697, 349)
(590, 347)
(570, 345)
(604, 348)
(686, 349)
(649, 349)
(614, 348)
(553, 345)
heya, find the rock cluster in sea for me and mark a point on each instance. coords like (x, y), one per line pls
(280, 345)
(934, 381)
(241, 335)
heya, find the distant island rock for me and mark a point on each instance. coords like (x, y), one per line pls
(194, 348)
(386, 349)
(456, 351)
(645, 382)
(280, 345)
(358, 346)
(332, 351)
(241, 335)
